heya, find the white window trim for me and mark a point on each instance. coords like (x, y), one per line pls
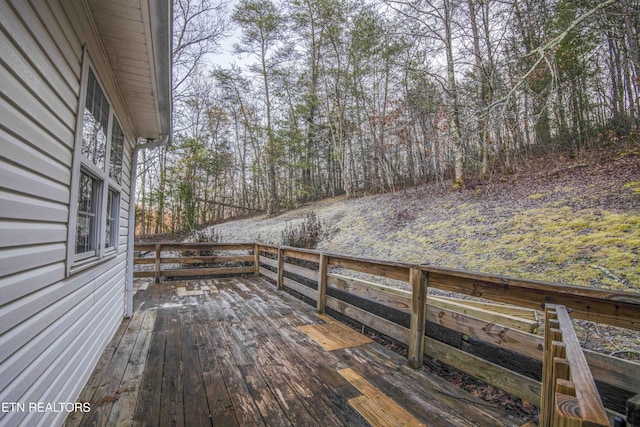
(116, 220)
(102, 252)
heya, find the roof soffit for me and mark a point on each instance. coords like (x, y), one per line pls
(135, 37)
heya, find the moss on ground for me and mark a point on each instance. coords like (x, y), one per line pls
(556, 243)
(581, 247)
(634, 186)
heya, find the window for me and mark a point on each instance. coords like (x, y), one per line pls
(97, 177)
(87, 214)
(117, 143)
(94, 124)
(111, 228)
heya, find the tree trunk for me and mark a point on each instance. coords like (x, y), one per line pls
(458, 180)
(634, 54)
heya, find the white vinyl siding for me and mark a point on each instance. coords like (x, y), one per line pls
(53, 326)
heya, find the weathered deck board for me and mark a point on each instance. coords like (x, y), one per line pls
(439, 401)
(149, 397)
(376, 404)
(334, 335)
(327, 385)
(235, 355)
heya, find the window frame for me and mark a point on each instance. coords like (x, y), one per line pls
(105, 184)
(93, 213)
(112, 220)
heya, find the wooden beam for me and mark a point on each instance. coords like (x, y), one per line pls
(603, 306)
(256, 259)
(157, 266)
(514, 340)
(611, 370)
(398, 299)
(280, 269)
(384, 326)
(395, 271)
(269, 274)
(301, 271)
(591, 409)
(206, 259)
(207, 246)
(624, 374)
(189, 272)
(365, 284)
(268, 261)
(418, 281)
(303, 254)
(322, 284)
(144, 247)
(509, 310)
(268, 248)
(137, 274)
(499, 318)
(300, 288)
(551, 333)
(509, 381)
(564, 360)
(633, 411)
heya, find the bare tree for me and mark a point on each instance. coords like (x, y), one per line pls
(435, 20)
(262, 26)
(199, 26)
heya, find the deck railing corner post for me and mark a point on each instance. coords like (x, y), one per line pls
(418, 280)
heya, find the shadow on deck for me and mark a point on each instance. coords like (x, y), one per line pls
(237, 352)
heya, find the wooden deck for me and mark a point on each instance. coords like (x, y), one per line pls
(228, 352)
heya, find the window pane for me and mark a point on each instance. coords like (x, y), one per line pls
(87, 212)
(115, 159)
(94, 125)
(111, 238)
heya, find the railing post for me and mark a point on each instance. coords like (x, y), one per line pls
(280, 283)
(633, 411)
(157, 267)
(322, 284)
(551, 333)
(569, 395)
(418, 280)
(256, 259)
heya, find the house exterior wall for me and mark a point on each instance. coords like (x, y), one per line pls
(53, 324)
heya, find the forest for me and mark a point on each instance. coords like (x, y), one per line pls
(332, 97)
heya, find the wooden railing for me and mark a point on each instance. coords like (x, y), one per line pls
(194, 260)
(493, 339)
(569, 394)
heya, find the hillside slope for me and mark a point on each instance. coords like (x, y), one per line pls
(573, 222)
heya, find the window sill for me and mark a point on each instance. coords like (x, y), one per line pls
(88, 263)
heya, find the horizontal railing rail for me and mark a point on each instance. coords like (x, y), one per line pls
(180, 260)
(493, 339)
